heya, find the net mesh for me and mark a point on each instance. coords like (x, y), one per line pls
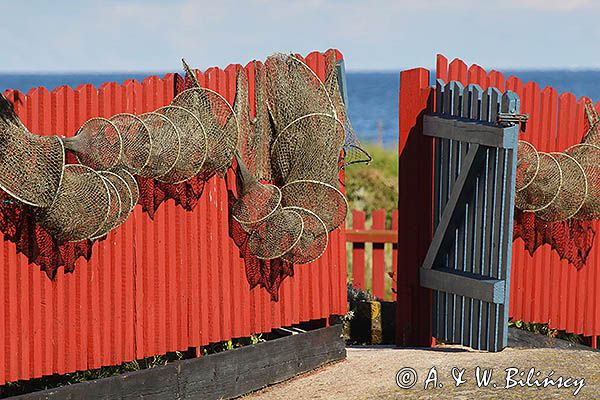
(219, 122)
(308, 148)
(293, 90)
(136, 142)
(165, 149)
(97, 144)
(276, 235)
(572, 194)
(313, 241)
(528, 163)
(588, 156)
(544, 189)
(81, 207)
(327, 202)
(572, 240)
(192, 141)
(262, 128)
(132, 185)
(114, 209)
(123, 190)
(31, 166)
(593, 134)
(256, 201)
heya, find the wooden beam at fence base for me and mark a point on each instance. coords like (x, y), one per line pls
(415, 182)
(464, 284)
(218, 376)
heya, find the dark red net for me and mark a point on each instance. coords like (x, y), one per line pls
(572, 240)
(18, 225)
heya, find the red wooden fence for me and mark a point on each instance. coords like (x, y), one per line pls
(544, 288)
(153, 286)
(378, 235)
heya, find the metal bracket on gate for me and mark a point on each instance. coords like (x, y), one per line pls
(510, 118)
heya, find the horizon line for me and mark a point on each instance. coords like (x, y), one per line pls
(349, 70)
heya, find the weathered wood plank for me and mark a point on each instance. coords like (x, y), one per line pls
(470, 131)
(464, 284)
(218, 376)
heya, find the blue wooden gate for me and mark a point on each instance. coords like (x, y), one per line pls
(468, 262)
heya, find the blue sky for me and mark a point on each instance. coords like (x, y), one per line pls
(153, 35)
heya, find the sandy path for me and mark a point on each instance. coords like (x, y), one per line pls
(370, 373)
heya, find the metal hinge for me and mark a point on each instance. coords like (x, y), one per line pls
(509, 118)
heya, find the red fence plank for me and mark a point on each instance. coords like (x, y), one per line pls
(358, 252)
(394, 254)
(414, 209)
(378, 269)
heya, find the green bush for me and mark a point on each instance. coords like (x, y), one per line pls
(375, 185)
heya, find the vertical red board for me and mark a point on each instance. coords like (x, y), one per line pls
(457, 71)
(378, 259)
(394, 254)
(358, 252)
(414, 209)
(441, 68)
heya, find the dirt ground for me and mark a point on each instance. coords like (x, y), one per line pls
(371, 372)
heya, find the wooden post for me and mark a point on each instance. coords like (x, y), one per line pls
(413, 312)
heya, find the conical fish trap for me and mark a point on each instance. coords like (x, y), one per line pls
(81, 207)
(276, 235)
(293, 90)
(572, 194)
(165, 149)
(97, 144)
(136, 140)
(309, 148)
(314, 239)
(544, 189)
(114, 210)
(192, 141)
(219, 122)
(588, 156)
(256, 201)
(31, 166)
(528, 163)
(326, 201)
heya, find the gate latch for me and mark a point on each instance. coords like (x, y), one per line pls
(509, 118)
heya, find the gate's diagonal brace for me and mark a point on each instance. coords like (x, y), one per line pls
(467, 172)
